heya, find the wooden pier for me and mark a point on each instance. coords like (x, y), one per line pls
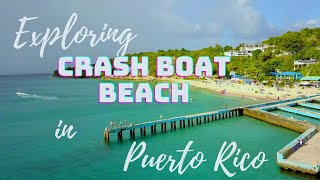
(172, 123)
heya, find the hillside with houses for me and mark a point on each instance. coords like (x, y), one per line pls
(292, 56)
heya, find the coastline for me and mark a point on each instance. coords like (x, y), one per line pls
(252, 91)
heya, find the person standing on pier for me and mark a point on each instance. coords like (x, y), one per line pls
(120, 123)
(111, 123)
(300, 141)
(126, 122)
(131, 124)
(160, 117)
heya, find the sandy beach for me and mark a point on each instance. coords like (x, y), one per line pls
(253, 90)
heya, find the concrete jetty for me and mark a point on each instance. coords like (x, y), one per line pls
(306, 153)
(300, 111)
(309, 105)
(302, 154)
(304, 157)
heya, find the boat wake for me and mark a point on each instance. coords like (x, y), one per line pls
(36, 96)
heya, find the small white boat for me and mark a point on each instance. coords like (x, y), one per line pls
(19, 93)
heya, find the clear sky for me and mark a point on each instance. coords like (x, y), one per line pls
(165, 24)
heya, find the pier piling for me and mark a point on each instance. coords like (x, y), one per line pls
(120, 135)
(106, 136)
(195, 119)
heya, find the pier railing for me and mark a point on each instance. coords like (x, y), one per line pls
(293, 146)
(280, 102)
(188, 120)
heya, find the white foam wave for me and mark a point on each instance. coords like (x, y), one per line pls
(252, 98)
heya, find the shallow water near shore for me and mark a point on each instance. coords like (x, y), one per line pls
(30, 149)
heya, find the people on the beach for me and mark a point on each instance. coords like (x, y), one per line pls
(300, 141)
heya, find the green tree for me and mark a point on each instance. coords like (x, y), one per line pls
(227, 48)
(291, 42)
(266, 55)
(312, 53)
(256, 53)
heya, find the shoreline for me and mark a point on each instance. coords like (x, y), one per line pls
(253, 91)
(233, 94)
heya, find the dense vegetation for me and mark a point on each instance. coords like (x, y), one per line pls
(287, 47)
(304, 44)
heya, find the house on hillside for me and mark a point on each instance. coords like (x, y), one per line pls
(236, 53)
(246, 49)
(300, 63)
(253, 47)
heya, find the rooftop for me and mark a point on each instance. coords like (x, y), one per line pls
(286, 73)
(305, 61)
(310, 78)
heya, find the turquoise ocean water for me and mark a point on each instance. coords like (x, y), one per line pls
(29, 149)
